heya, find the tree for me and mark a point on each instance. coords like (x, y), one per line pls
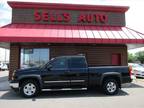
(140, 56)
(131, 58)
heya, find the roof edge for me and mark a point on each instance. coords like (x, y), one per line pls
(135, 30)
(27, 24)
(16, 4)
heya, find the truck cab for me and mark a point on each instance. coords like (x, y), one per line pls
(65, 72)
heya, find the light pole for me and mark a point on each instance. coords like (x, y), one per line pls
(5, 55)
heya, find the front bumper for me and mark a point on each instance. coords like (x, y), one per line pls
(14, 85)
(140, 75)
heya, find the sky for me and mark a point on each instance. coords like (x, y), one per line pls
(4, 55)
(134, 16)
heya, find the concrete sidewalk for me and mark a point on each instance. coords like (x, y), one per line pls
(3, 73)
(130, 96)
(4, 85)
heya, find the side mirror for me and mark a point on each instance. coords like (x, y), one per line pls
(49, 67)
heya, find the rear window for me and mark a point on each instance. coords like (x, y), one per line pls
(77, 62)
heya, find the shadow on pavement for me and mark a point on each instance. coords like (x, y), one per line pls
(4, 84)
(11, 95)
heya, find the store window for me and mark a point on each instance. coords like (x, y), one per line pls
(34, 57)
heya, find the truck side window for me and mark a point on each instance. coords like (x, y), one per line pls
(59, 63)
(77, 63)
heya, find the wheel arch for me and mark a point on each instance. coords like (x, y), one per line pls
(31, 77)
(111, 75)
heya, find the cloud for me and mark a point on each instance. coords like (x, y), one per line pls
(4, 6)
(5, 13)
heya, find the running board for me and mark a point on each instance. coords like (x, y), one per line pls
(64, 89)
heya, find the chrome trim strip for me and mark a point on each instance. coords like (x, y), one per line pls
(63, 89)
(62, 81)
(56, 81)
(14, 85)
(77, 80)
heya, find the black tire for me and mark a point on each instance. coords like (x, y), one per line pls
(26, 82)
(109, 91)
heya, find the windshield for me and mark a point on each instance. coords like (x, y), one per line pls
(137, 66)
(49, 62)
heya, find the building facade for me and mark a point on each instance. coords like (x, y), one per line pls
(41, 31)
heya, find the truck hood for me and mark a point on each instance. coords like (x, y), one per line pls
(35, 70)
(139, 69)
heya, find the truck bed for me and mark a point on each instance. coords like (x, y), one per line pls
(103, 69)
(96, 73)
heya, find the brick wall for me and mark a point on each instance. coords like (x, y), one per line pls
(95, 54)
(14, 58)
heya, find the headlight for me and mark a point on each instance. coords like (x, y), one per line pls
(14, 75)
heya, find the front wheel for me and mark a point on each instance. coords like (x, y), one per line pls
(110, 87)
(29, 88)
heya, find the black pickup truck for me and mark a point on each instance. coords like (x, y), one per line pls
(69, 72)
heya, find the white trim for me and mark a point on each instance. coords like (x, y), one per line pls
(63, 89)
(62, 81)
(56, 81)
(77, 80)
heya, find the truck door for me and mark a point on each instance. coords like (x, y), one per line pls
(78, 72)
(56, 74)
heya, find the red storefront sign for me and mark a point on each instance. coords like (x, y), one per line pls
(68, 14)
(67, 17)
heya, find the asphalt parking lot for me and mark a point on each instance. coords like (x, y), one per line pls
(131, 96)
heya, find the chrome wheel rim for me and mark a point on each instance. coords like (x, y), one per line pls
(111, 87)
(29, 89)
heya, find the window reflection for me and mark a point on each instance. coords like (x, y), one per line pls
(60, 63)
(34, 57)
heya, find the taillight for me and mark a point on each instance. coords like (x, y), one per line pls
(130, 71)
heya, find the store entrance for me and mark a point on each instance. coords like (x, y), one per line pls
(116, 59)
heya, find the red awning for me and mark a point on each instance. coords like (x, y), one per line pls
(69, 34)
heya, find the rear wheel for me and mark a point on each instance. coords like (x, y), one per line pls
(110, 87)
(29, 88)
